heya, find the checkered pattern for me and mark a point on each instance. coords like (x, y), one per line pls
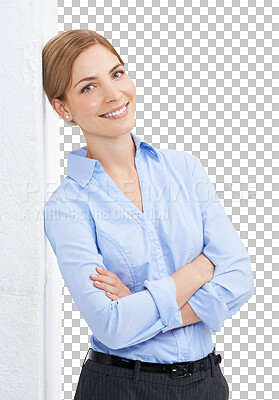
(206, 74)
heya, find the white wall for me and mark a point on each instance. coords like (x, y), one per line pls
(30, 284)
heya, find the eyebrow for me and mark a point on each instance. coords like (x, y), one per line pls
(91, 78)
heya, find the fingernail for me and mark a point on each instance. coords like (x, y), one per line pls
(99, 269)
(94, 275)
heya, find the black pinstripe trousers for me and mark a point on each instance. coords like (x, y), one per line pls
(99, 381)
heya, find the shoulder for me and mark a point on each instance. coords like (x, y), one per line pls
(178, 159)
(68, 190)
(67, 211)
(68, 195)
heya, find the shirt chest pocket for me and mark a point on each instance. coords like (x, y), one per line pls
(116, 260)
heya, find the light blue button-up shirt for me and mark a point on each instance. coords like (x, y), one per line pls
(89, 222)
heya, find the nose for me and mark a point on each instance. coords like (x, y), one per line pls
(111, 91)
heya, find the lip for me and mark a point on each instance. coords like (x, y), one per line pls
(120, 115)
(114, 109)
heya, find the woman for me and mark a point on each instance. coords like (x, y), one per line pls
(173, 266)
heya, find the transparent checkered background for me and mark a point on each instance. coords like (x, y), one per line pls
(206, 74)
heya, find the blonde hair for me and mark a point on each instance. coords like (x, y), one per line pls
(59, 54)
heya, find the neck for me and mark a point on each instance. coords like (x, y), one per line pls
(115, 153)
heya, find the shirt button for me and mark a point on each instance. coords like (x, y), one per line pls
(182, 358)
(157, 250)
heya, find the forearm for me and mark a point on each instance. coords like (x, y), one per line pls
(188, 315)
(188, 279)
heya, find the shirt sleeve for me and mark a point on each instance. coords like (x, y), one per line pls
(70, 229)
(232, 284)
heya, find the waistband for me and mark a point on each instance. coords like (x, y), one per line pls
(175, 370)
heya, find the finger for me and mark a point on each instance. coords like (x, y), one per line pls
(104, 279)
(96, 276)
(105, 276)
(112, 296)
(100, 270)
(105, 286)
(103, 271)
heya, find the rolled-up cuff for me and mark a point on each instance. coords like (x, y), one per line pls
(209, 307)
(163, 292)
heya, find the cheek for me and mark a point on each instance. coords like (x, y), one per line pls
(130, 88)
(88, 107)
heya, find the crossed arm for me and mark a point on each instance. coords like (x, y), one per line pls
(189, 317)
(196, 274)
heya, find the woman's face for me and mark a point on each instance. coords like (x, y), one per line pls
(90, 98)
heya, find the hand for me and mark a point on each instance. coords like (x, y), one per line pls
(205, 266)
(110, 282)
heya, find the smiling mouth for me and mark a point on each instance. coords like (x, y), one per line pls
(103, 115)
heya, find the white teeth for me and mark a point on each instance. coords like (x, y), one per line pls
(116, 113)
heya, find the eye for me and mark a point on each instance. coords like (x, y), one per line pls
(122, 72)
(83, 90)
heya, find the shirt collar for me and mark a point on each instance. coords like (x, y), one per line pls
(81, 168)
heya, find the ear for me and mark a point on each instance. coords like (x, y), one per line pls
(60, 108)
